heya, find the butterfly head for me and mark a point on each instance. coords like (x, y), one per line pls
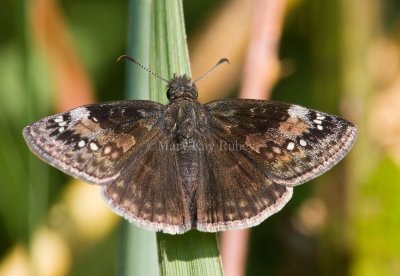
(181, 87)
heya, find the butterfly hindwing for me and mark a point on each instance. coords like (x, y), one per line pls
(150, 191)
(293, 144)
(242, 194)
(90, 142)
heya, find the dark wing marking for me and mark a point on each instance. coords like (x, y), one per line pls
(293, 144)
(90, 142)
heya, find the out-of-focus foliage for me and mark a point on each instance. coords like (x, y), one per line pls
(376, 222)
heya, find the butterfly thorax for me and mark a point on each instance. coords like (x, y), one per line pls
(185, 131)
(181, 87)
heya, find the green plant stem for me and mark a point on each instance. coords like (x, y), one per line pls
(164, 37)
(193, 253)
(138, 251)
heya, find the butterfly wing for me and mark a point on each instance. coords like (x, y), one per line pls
(149, 193)
(91, 142)
(291, 143)
(234, 192)
(257, 150)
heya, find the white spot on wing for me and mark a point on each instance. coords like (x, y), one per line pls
(81, 143)
(290, 146)
(298, 111)
(320, 127)
(62, 124)
(61, 129)
(318, 121)
(303, 143)
(59, 119)
(93, 146)
(276, 150)
(79, 113)
(107, 150)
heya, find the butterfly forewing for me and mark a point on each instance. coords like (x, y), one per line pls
(90, 142)
(291, 143)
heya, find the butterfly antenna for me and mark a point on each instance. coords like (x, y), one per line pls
(131, 59)
(222, 60)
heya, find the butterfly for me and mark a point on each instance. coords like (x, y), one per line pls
(227, 164)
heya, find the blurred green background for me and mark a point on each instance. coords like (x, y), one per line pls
(341, 57)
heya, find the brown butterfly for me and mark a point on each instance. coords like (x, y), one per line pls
(227, 164)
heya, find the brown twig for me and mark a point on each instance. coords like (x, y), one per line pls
(260, 74)
(261, 69)
(71, 80)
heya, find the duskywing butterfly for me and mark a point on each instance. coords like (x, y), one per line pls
(227, 164)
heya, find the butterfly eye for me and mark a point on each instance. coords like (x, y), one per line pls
(169, 93)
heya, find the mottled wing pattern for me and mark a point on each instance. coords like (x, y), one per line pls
(91, 142)
(150, 192)
(290, 143)
(234, 192)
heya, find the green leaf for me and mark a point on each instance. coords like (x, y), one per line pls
(138, 251)
(193, 253)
